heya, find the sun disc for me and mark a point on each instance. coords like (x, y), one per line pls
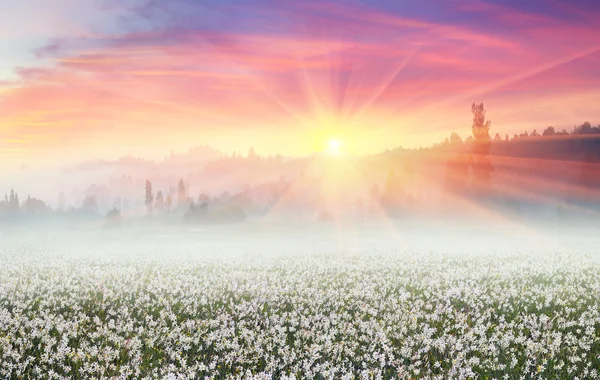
(334, 147)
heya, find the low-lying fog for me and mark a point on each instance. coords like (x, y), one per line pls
(320, 237)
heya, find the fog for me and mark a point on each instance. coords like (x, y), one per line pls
(206, 203)
(264, 239)
(172, 297)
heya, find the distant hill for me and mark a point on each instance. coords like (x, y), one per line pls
(127, 161)
(194, 156)
(198, 154)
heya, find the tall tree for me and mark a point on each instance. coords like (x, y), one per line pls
(14, 205)
(159, 204)
(481, 130)
(181, 193)
(4, 206)
(482, 144)
(168, 202)
(149, 196)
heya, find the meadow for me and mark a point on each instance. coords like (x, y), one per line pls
(164, 311)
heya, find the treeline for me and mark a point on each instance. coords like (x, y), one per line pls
(471, 167)
(11, 208)
(177, 205)
(205, 209)
(537, 168)
(13, 211)
(581, 144)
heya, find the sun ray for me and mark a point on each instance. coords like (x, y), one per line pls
(384, 85)
(509, 79)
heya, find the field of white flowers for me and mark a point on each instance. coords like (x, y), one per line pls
(385, 314)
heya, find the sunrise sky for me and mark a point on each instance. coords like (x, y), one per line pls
(83, 79)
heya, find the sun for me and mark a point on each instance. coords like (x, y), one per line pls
(334, 147)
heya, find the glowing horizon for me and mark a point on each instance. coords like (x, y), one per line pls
(88, 81)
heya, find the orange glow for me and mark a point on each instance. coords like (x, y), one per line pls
(387, 80)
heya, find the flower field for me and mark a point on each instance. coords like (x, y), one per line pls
(323, 315)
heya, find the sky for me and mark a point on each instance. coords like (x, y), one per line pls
(83, 79)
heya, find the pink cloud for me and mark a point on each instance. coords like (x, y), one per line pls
(195, 81)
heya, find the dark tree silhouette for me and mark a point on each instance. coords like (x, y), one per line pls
(90, 205)
(149, 196)
(203, 198)
(113, 218)
(583, 129)
(549, 131)
(159, 203)
(455, 139)
(168, 203)
(482, 144)
(251, 153)
(181, 194)
(34, 207)
(14, 206)
(553, 144)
